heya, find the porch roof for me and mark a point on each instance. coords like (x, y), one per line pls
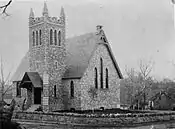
(31, 77)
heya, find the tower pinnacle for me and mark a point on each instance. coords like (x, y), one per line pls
(45, 10)
(62, 15)
(31, 15)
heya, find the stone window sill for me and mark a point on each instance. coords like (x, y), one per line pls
(104, 89)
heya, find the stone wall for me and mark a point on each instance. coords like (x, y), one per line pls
(92, 120)
(29, 98)
(72, 102)
(92, 98)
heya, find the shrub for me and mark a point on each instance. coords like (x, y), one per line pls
(39, 109)
(72, 109)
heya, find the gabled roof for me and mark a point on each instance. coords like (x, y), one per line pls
(22, 68)
(159, 94)
(32, 77)
(79, 51)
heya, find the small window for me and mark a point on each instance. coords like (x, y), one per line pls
(51, 37)
(107, 85)
(33, 38)
(59, 38)
(72, 89)
(55, 91)
(96, 78)
(40, 39)
(55, 37)
(36, 38)
(56, 64)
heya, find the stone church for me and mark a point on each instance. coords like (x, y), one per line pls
(56, 73)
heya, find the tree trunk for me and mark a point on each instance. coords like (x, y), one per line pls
(144, 97)
(2, 94)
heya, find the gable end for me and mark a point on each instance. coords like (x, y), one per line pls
(112, 57)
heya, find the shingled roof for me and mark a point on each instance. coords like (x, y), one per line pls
(79, 50)
(22, 68)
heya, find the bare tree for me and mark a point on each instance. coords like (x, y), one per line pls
(4, 8)
(145, 68)
(138, 82)
(4, 81)
(144, 77)
(130, 83)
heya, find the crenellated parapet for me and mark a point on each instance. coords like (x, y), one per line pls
(46, 18)
(36, 20)
(54, 20)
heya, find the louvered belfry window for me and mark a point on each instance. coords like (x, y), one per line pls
(55, 37)
(59, 38)
(51, 37)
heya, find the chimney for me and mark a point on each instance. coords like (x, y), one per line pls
(99, 29)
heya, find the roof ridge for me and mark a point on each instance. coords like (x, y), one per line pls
(81, 35)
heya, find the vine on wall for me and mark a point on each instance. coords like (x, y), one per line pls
(93, 92)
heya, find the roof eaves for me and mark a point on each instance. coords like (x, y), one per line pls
(113, 59)
(66, 78)
(112, 56)
(17, 81)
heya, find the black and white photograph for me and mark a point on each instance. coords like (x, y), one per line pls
(87, 64)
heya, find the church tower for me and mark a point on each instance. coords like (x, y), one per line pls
(47, 53)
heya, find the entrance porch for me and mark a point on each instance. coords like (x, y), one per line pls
(33, 83)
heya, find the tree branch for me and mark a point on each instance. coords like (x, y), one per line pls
(4, 81)
(4, 7)
(8, 88)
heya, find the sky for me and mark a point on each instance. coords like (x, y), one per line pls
(136, 29)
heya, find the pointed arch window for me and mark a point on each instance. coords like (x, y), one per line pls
(55, 91)
(72, 89)
(40, 37)
(107, 85)
(96, 78)
(59, 38)
(51, 37)
(33, 38)
(55, 37)
(36, 38)
(101, 72)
